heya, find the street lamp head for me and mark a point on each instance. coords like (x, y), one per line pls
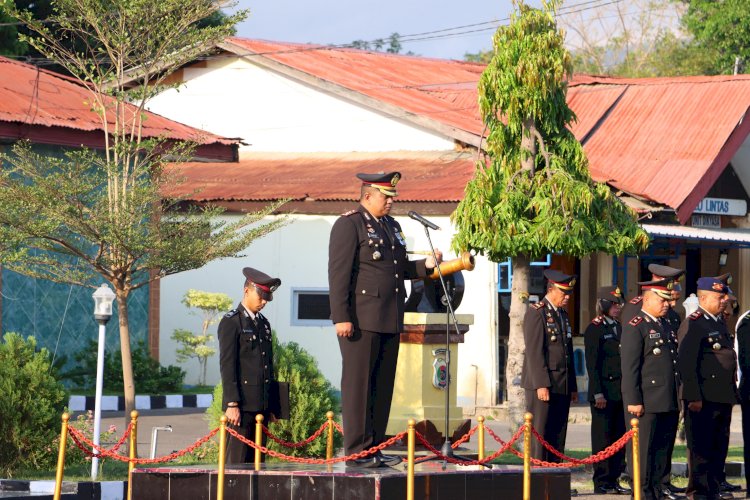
(103, 299)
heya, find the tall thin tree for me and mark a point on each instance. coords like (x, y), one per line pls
(532, 194)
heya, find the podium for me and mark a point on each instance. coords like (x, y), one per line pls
(419, 391)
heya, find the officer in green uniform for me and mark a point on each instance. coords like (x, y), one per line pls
(246, 363)
(367, 266)
(602, 344)
(708, 369)
(548, 376)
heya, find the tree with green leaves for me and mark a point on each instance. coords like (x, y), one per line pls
(210, 305)
(91, 215)
(721, 33)
(532, 194)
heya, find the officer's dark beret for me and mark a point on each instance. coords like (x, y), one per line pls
(662, 287)
(385, 183)
(660, 271)
(610, 293)
(712, 284)
(265, 284)
(564, 282)
(725, 278)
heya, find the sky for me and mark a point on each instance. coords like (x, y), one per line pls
(342, 21)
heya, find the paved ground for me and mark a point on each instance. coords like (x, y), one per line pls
(189, 424)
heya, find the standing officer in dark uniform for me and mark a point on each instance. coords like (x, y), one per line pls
(708, 369)
(743, 356)
(602, 343)
(649, 384)
(367, 266)
(246, 363)
(548, 375)
(672, 319)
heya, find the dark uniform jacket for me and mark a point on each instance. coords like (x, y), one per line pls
(602, 343)
(649, 365)
(367, 267)
(245, 359)
(548, 360)
(708, 363)
(743, 355)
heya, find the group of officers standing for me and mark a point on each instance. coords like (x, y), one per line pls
(643, 362)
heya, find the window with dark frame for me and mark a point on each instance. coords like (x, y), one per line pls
(311, 307)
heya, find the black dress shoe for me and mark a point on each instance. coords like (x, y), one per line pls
(727, 486)
(725, 495)
(670, 495)
(620, 490)
(389, 460)
(605, 490)
(371, 462)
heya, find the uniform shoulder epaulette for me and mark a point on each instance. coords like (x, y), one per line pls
(231, 313)
(537, 305)
(696, 315)
(635, 321)
(636, 300)
(598, 320)
(350, 212)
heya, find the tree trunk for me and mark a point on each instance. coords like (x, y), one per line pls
(127, 358)
(516, 345)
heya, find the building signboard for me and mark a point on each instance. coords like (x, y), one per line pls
(721, 206)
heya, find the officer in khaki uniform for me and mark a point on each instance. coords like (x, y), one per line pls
(708, 369)
(367, 266)
(548, 375)
(602, 344)
(649, 384)
(246, 363)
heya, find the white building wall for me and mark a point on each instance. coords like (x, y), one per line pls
(235, 98)
(298, 254)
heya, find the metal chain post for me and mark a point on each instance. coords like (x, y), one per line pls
(528, 419)
(222, 457)
(61, 456)
(480, 431)
(636, 460)
(410, 440)
(329, 444)
(132, 454)
(258, 438)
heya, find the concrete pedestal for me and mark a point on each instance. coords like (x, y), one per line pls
(415, 394)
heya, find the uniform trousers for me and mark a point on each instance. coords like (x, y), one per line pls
(707, 433)
(666, 479)
(367, 378)
(607, 426)
(237, 451)
(655, 432)
(550, 421)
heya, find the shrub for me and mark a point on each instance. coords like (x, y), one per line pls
(150, 377)
(310, 397)
(31, 403)
(85, 424)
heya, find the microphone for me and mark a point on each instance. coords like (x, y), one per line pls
(414, 215)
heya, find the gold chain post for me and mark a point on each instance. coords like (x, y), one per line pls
(480, 452)
(133, 444)
(222, 457)
(61, 456)
(329, 444)
(411, 441)
(636, 460)
(528, 419)
(258, 439)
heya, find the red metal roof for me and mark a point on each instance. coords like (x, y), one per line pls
(431, 177)
(664, 139)
(35, 102)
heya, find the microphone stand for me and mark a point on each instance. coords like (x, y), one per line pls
(446, 450)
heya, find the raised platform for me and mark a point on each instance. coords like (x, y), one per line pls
(285, 481)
